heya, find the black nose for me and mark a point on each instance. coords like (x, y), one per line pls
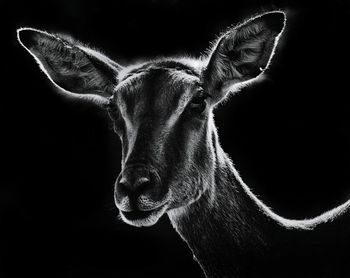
(133, 182)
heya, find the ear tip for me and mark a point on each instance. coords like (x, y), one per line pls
(25, 36)
(275, 20)
(28, 36)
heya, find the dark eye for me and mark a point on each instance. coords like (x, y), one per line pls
(198, 103)
(116, 118)
(113, 111)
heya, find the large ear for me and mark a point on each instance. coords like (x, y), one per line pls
(75, 69)
(242, 54)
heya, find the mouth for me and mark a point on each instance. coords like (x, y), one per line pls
(138, 214)
(143, 218)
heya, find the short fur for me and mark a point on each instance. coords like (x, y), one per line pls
(172, 160)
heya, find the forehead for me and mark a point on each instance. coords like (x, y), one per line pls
(157, 84)
(186, 66)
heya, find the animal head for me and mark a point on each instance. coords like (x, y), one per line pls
(162, 110)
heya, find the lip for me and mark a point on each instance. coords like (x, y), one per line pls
(143, 218)
(138, 214)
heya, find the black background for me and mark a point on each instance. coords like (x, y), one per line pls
(289, 135)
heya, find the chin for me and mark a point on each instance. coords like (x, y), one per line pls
(143, 218)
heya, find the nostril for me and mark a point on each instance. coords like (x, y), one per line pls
(123, 186)
(142, 184)
(123, 181)
(139, 186)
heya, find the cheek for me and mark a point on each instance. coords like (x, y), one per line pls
(181, 146)
(191, 169)
(188, 188)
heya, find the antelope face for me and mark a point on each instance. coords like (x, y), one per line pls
(161, 110)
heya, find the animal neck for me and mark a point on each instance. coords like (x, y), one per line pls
(225, 225)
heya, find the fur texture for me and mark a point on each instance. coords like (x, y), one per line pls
(172, 161)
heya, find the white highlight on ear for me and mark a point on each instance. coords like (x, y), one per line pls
(101, 57)
(235, 83)
(231, 87)
(99, 100)
(238, 86)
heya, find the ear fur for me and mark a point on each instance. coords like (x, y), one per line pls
(242, 54)
(75, 69)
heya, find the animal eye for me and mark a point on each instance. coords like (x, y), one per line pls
(198, 103)
(113, 111)
(117, 120)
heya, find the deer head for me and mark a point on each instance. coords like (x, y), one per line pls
(162, 110)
